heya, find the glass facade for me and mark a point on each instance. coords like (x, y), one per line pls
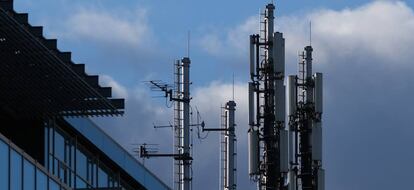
(74, 165)
(4, 165)
(22, 172)
(116, 153)
(16, 176)
(29, 174)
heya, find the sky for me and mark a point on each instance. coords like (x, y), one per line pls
(364, 48)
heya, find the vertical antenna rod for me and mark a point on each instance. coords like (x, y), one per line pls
(310, 33)
(233, 87)
(188, 43)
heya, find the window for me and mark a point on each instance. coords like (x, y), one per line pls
(102, 178)
(28, 176)
(80, 183)
(4, 165)
(15, 171)
(41, 180)
(91, 168)
(53, 185)
(59, 146)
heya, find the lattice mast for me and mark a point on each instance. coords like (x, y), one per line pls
(268, 159)
(182, 124)
(305, 131)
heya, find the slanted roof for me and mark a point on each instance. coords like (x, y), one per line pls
(38, 80)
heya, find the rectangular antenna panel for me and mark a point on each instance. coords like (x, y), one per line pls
(279, 54)
(317, 141)
(280, 101)
(318, 92)
(321, 179)
(253, 142)
(292, 181)
(252, 55)
(284, 159)
(291, 94)
(251, 104)
(291, 146)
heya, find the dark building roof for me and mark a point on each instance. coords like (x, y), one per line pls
(38, 80)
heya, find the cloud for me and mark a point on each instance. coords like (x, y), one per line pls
(118, 90)
(142, 111)
(105, 27)
(233, 42)
(365, 55)
(209, 99)
(380, 28)
(136, 126)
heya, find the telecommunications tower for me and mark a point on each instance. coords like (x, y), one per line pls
(281, 159)
(228, 148)
(268, 142)
(305, 126)
(180, 95)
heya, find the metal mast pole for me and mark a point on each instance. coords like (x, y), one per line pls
(271, 158)
(231, 153)
(305, 125)
(229, 177)
(180, 95)
(267, 134)
(306, 134)
(186, 166)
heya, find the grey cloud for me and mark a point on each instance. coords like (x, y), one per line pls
(365, 56)
(136, 126)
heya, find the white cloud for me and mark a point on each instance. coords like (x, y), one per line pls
(131, 30)
(356, 47)
(234, 41)
(136, 126)
(118, 90)
(381, 28)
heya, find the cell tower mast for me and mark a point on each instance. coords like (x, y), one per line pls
(228, 147)
(305, 126)
(185, 167)
(180, 95)
(267, 165)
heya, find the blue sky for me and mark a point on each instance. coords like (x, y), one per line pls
(364, 49)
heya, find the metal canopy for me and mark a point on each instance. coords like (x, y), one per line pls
(37, 80)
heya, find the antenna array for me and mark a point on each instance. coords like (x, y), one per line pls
(281, 159)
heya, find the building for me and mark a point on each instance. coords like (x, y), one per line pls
(46, 138)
